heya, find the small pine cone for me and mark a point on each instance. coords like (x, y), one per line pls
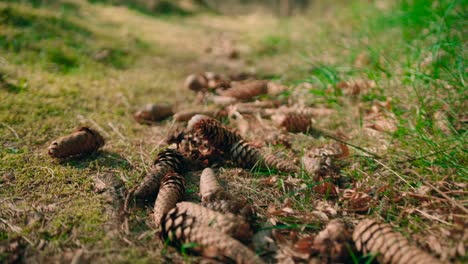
(245, 156)
(273, 162)
(179, 228)
(186, 115)
(82, 141)
(171, 192)
(196, 82)
(152, 113)
(210, 189)
(230, 224)
(293, 122)
(379, 239)
(169, 160)
(216, 134)
(246, 90)
(232, 206)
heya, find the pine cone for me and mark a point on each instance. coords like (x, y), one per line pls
(273, 162)
(246, 90)
(169, 160)
(210, 189)
(293, 122)
(216, 134)
(245, 156)
(186, 115)
(214, 197)
(196, 82)
(198, 152)
(390, 247)
(171, 191)
(179, 228)
(82, 141)
(233, 206)
(228, 223)
(152, 113)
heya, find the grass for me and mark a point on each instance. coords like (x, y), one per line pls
(94, 64)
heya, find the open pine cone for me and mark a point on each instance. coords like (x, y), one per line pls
(213, 131)
(228, 223)
(83, 141)
(379, 239)
(180, 227)
(214, 197)
(293, 122)
(169, 160)
(171, 191)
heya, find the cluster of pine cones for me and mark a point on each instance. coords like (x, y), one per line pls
(222, 224)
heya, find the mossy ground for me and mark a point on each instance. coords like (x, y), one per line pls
(69, 63)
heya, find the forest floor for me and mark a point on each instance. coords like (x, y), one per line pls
(388, 77)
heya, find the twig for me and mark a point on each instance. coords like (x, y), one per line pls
(450, 199)
(432, 217)
(455, 203)
(12, 130)
(394, 172)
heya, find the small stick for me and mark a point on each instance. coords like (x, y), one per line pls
(432, 217)
(394, 172)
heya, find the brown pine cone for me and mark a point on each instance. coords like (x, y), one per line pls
(246, 90)
(171, 191)
(198, 152)
(244, 155)
(179, 228)
(282, 165)
(293, 122)
(213, 131)
(210, 189)
(186, 115)
(214, 197)
(234, 206)
(228, 223)
(82, 141)
(196, 82)
(169, 160)
(152, 113)
(379, 239)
